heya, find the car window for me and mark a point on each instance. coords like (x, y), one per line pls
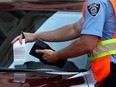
(12, 22)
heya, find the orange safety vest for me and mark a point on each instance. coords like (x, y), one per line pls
(100, 57)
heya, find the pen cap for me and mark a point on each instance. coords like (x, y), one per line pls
(23, 36)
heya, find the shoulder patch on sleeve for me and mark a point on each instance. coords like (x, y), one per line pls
(93, 9)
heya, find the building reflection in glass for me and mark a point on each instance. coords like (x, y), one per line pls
(11, 25)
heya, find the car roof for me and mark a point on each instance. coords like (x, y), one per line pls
(71, 5)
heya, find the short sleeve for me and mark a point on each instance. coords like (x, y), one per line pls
(80, 21)
(94, 18)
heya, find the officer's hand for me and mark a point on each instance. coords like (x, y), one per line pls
(29, 37)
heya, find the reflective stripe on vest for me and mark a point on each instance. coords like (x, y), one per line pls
(100, 57)
(104, 48)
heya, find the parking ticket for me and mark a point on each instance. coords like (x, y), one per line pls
(19, 51)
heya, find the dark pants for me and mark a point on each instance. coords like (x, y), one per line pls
(110, 80)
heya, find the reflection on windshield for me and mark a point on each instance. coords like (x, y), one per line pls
(37, 79)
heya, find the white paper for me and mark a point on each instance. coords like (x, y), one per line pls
(19, 51)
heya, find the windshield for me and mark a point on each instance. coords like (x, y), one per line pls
(12, 22)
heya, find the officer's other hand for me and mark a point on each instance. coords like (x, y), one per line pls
(48, 55)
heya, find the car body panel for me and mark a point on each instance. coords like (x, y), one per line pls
(35, 5)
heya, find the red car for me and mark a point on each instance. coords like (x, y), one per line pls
(37, 16)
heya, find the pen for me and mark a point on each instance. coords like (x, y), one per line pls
(23, 36)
